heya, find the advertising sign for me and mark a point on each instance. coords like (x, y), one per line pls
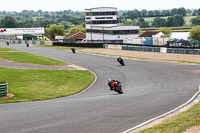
(17, 31)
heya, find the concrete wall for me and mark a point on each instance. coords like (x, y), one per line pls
(160, 41)
(156, 41)
(98, 36)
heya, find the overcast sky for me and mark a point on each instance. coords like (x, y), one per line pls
(81, 5)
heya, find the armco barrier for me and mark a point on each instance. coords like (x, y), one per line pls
(3, 89)
(161, 49)
(183, 51)
(141, 48)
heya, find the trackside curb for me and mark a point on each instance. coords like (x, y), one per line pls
(164, 116)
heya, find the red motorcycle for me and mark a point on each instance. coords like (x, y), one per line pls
(115, 85)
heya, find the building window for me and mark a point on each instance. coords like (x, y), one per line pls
(114, 32)
(105, 22)
(123, 32)
(109, 17)
(100, 17)
(88, 14)
(100, 13)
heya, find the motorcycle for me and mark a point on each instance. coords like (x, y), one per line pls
(121, 61)
(73, 50)
(115, 85)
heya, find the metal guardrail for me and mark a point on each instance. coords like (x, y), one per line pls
(3, 89)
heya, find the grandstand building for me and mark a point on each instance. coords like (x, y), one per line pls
(104, 25)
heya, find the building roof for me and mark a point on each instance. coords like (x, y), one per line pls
(100, 8)
(149, 33)
(76, 35)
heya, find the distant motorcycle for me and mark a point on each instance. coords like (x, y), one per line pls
(73, 50)
(121, 61)
(115, 85)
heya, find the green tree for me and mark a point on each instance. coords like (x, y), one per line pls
(188, 11)
(182, 11)
(195, 21)
(157, 13)
(132, 14)
(174, 11)
(195, 33)
(198, 12)
(150, 13)
(165, 13)
(195, 12)
(56, 29)
(8, 22)
(77, 28)
(165, 30)
(66, 24)
(142, 23)
(175, 21)
(159, 22)
(178, 11)
(143, 13)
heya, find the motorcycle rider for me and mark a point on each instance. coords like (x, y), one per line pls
(73, 50)
(120, 60)
(113, 83)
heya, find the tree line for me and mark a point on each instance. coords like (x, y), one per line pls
(135, 14)
(69, 18)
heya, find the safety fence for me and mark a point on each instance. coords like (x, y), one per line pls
(141, 48)
(153, 49)
(3, 89)
(19, 41)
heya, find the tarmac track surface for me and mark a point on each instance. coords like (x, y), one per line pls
(150, 89)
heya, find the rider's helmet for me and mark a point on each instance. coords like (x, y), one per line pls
(114, 84)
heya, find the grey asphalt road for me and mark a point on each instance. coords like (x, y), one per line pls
(150, 89)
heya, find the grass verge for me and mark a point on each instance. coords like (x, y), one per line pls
(33, 85)
(60, 47)
(178, 123)
(190, 62)
(23, 57)
(6, 49)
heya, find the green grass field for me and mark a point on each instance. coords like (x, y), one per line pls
(23, 57)
(6, 49)
(187, 19)
(32, 85)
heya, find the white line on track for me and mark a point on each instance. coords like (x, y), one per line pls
(161, 116)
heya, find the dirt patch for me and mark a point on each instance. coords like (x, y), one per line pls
(9, 95)
(147, 55)
(193, 130)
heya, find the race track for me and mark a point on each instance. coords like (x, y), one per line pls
(150, 89)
